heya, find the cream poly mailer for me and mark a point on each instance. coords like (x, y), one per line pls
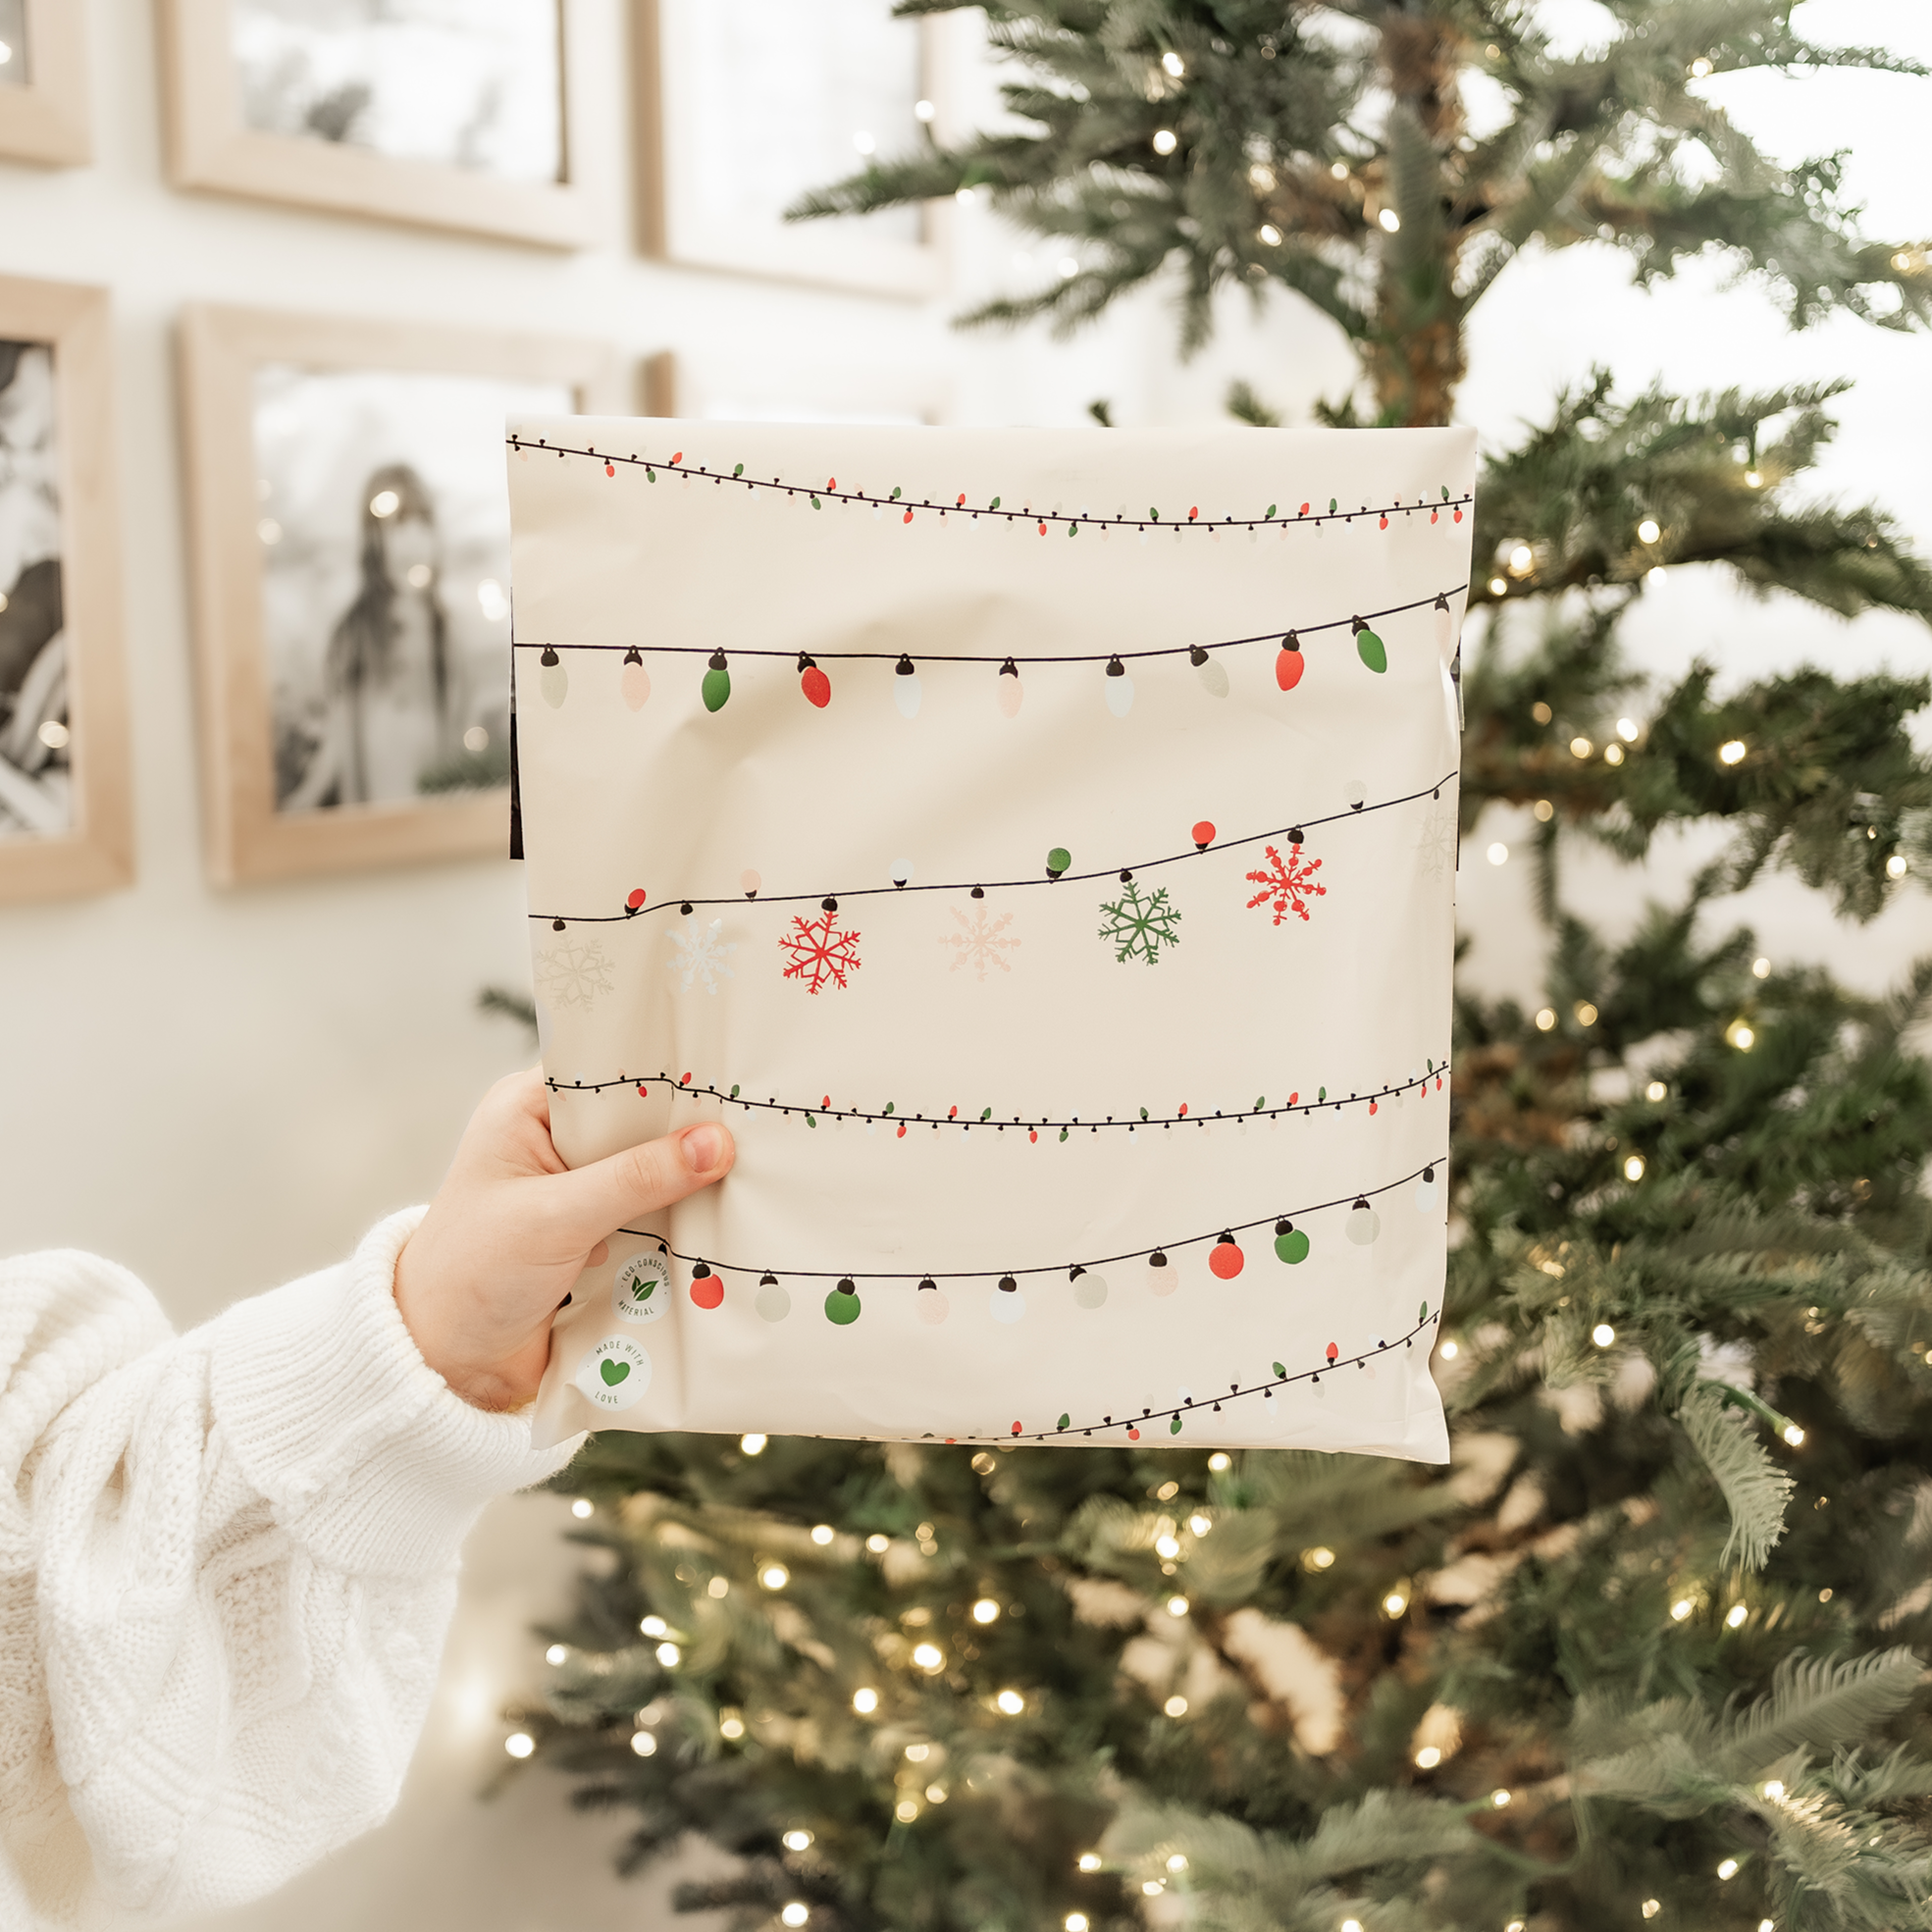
(1039, 847)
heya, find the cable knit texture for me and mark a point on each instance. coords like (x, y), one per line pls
(227, 1564)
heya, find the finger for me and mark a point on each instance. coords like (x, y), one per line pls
(591, 1201)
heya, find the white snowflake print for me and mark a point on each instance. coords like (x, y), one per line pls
(977, 943)
(573, 973)
(1138, 927)
(1289, 883)
(822, 952)
(1435, 842)
(698, 955)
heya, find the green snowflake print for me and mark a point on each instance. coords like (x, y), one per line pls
(1137, 927)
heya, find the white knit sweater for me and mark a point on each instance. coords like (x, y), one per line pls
(227, 1564)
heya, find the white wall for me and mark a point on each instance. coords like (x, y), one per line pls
(221, 1089)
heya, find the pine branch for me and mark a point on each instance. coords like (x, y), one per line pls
(1756, 1489)
(1243, 142)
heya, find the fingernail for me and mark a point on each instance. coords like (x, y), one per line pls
(703, 1149)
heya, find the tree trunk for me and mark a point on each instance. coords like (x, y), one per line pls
(1414, 366)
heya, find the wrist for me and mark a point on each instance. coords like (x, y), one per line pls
(480, 1360)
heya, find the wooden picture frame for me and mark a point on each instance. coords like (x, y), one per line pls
(766, 389)
(688, 213)
(69, 631)
(210, 146)
(258, 825)
(46, 120)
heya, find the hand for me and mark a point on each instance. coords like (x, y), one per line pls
(480, 1281)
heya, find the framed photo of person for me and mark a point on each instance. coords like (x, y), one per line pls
(445, 113)
(744, 105)
(65, 815)
(43, 83)
(351, 536)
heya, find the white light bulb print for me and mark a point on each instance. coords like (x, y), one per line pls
(906, 688)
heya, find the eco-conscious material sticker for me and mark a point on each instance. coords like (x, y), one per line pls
(642, 1290)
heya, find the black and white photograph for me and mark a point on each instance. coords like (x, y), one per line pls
(14, 70)
(384, 566)
(470, 83)
(34, 798)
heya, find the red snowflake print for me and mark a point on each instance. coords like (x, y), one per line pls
(821, 950)
(1289, 883)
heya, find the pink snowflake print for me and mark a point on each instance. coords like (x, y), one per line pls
(821, 950)
(1289, 883)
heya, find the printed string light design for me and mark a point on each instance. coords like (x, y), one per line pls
(1285, 639)
(889, 1115)
(844, 1306)
(816, 684)
(639, 904)
(704, 1268)
(1333, 1361)
(1306, 517)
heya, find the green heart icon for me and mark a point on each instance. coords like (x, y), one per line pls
(612, 1371)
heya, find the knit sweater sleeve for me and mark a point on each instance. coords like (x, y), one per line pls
(227, 1564)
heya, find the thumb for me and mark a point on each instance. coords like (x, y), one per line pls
(587, 1203)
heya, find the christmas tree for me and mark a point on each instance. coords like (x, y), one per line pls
(1647, 1648)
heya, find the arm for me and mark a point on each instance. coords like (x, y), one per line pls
(235, 1552)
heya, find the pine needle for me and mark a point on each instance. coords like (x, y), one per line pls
(1754, 1488)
